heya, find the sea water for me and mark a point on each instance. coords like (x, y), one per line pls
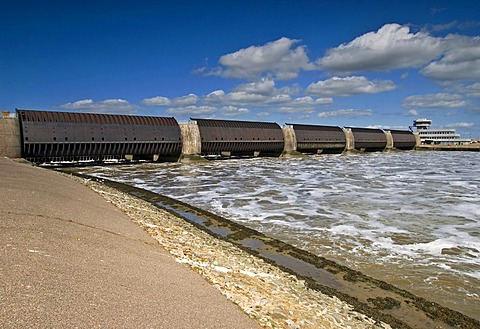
(409, 218)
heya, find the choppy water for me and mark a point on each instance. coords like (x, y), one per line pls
(409, 218)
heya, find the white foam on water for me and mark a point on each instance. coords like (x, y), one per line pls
(417, 210)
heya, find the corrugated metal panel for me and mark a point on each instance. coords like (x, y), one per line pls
(51, 136)
(314, 138)
(239, 137)
(403, 139)
(369, 139)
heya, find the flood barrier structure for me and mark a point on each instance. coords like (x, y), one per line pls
(49, 137)
(319, 139)
(368, 139)
(403, 139)
(63, 136)
(240, 138)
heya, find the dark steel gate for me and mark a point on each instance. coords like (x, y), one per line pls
(319, 139)
(369, 139)
(240, 137)
(49, 136)
(403, 139)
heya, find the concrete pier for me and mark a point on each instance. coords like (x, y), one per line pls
(389, 137)
(290, 141)
(10, 139)
(191, 143)
(350, 139)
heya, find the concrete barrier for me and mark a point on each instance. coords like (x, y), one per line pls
(350, 139)
(241, 137)
(388, 135)
(290, 143)
(191, 143)
(10, 138)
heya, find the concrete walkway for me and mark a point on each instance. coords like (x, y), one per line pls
(70, 259)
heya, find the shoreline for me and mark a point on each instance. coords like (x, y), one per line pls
(272, 296)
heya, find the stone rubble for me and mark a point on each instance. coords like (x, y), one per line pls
(273, 297)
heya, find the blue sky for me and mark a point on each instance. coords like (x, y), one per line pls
(346, 63)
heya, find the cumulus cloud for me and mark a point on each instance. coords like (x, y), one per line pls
(304, 105)
(473, 90)
(384, 127)
(392, 46)
(435, 101)
(260, 93)
(105, 106)
(345, 113)
(262, 87)
(349, 86)
(242, 98)
(470, 90)
(460, 125)
(233, 111)
(192, 110)
(188, 100)
(412, 113)
(279, 58)
(461, 60)
(156, 101)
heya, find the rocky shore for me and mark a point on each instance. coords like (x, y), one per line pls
(273, 297)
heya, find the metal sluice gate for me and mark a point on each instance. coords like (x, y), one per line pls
(239, 137)
(49, 136)
(319, 139)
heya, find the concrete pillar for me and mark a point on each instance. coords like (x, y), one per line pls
(10, 143)
(350, 139)
(290, 140)
(191, 143)
(418, 142)
(290, 143)
(388, 135)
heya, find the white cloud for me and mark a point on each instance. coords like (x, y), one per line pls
(349, 86)
(345, 113)
(461, 60)
(192, 110)
(471, 90)
(105, 106)
(384, 127)
(392, 46)
(156, 101)
(190, 99)
(461, 125)
(261, 93)
(412, 113)
(233, 111)
(263, 114)
(442, 27)
(263, 87)
(307, 100)
(278, 58)
(435, 101)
